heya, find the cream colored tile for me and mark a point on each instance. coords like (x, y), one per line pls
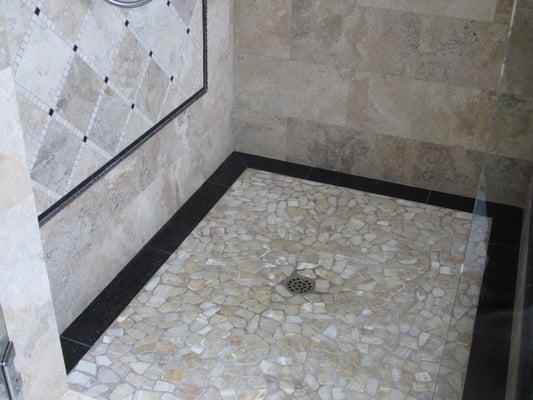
(461, 52)
(482, 10)
(422, 110)
(291, 88)
(262, 27)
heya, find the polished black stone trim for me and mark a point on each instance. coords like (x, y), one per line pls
(46, 215)
(487, 370)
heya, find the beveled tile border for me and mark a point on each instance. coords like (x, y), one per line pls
(487, 369)
(49, 213)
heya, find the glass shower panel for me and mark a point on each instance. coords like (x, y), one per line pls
(492, 324)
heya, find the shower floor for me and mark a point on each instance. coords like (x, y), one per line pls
(385, 320)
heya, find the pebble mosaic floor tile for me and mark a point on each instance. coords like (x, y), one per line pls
(384, 319)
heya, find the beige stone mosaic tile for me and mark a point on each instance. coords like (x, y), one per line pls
(215, 322)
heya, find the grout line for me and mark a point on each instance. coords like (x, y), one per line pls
(75, 341)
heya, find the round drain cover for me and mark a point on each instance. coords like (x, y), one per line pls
(299, 285)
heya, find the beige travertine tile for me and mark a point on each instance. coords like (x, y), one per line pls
(518, 76)
(462, 52)
(68, 16)
(355, 38)
(429, 111)
(394, 159)
(79, 94)
(506, 180)
(482, 10)
(259, 134)
(504, 10)
(512, 133)
(291, 88)
(262, 27)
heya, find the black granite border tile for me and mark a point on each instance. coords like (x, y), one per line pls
(493, 321)
(72, 352)
(452, 201)
(108, 305)
(275, 166)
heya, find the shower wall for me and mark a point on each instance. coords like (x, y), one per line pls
(25, 297)
(399, 91)
(95, 236)
(91, 78)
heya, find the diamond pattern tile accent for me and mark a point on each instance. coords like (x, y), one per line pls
(80, 93)
(109, 122)
(56, 158)
(45, 83)
(81, 65)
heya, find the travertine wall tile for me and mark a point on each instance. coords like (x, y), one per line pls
(259, 134)
(113, 219)
(518, 77)
(482, 10)
(462, 52)
(25, 297)
(355, 38)
(262, 27)
(395, 159)
(423, 110)
(291, 88)
(420, 73)
(88, 65)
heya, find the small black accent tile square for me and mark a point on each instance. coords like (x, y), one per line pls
(75, 48)
(50, 112)
(108, 305)
(275, 166)
(37, 11)
(72, 352)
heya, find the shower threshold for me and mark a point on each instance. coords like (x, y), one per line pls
(390, 315)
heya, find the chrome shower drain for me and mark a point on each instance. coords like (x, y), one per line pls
(299, 285)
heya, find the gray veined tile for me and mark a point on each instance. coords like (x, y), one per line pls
(461, 52)
(109, 121)
(68, 16)
(129, 65)
(42, 43)
(291, 88)
(33, 120)
(152, 91)
(263, 27)
(189, 68)
(80, 92)
(56, 158)
(135, 127)
(263, 135)
(17, 17)
(482, 10)
(185, 9)
(101, 34)
(87, 163)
